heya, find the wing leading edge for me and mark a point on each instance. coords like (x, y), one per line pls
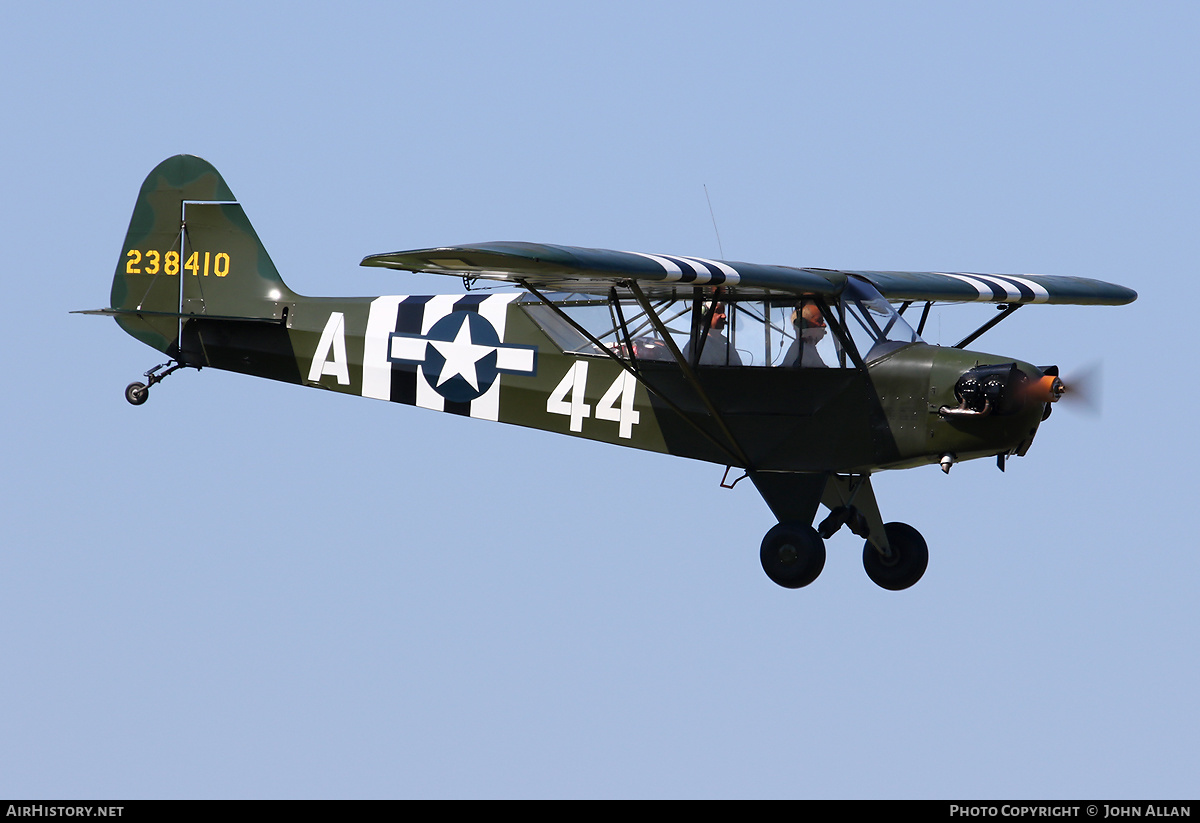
(571, 268)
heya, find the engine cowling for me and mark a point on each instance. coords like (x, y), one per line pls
(988, 390)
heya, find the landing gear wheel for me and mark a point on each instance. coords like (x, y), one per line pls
(137, 393)
(792, 554)
(910, 557)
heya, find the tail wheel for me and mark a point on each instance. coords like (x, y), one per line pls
(137, 393)
(792, 554)
(908, 561)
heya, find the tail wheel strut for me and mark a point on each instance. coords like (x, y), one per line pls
(138, 393)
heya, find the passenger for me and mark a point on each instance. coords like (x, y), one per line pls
(651, 348)
(716, 350)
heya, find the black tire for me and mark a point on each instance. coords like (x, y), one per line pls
(792, 554)
(137, 393)
(910, 558)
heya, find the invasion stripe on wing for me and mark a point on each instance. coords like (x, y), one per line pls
(1004, 288)
(697, 270)
(694, 272)
(1011, 292)
(673, 271)
(1038, 292)
(728, 274)
(986, 292)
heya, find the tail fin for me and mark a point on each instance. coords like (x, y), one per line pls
(191, 252)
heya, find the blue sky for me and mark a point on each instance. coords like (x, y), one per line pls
(243, 589)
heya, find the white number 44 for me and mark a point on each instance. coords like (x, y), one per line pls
(615, 405)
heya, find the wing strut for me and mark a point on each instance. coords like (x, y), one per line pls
(735, 453)
(616, 304)
(1009, 309)
(924, 317)
(688, 374)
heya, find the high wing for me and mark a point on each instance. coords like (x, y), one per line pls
(595, 271)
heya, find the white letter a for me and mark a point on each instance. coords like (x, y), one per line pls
(334, 337)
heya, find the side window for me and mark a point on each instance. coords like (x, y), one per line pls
(603, 321)
(785, 331)
(805, 339)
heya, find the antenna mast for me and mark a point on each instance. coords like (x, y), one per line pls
(716, 231)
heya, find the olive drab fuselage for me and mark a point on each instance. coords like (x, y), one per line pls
(802, 420)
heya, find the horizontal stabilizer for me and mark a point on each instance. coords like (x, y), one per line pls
(181, 315)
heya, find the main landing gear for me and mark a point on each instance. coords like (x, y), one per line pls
(903, 563)
(792, 554)
(139, 393)
(895, 555)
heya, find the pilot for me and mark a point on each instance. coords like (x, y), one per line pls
(716, 350)
(810, 330)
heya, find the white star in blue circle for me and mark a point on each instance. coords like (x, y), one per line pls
(460, 360)
(461, 357)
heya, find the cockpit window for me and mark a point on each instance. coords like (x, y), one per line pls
(876, 327)
(782, 330)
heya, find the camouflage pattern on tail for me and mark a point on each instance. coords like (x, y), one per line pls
(191, 252)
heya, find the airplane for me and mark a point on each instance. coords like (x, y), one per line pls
(806, 380)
